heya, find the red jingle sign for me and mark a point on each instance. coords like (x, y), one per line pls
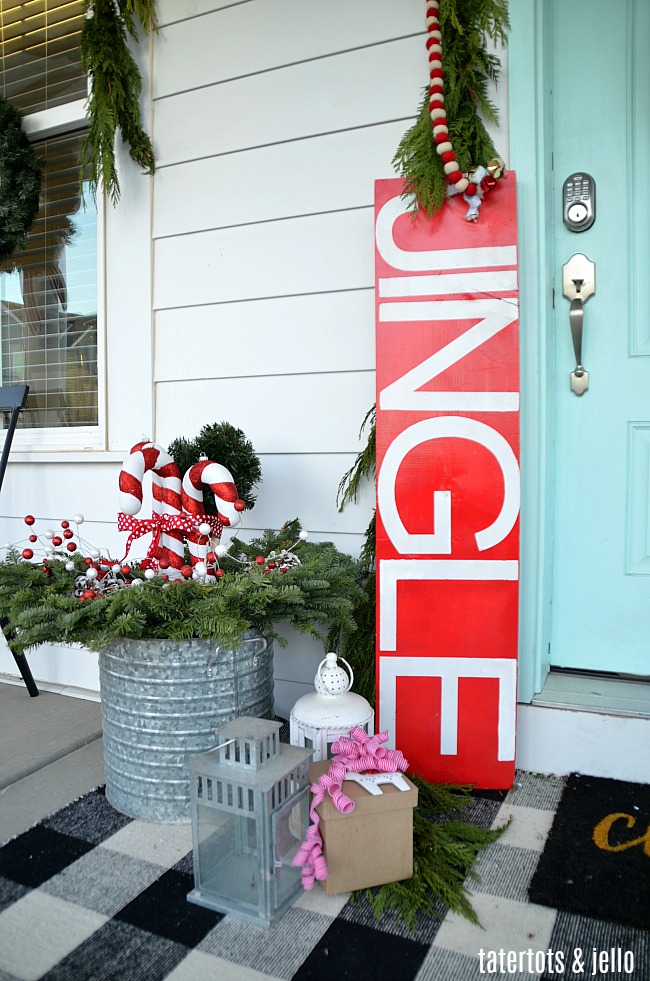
(448, 485)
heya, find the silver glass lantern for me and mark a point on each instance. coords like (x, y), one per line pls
(250, 812)
(321, 717)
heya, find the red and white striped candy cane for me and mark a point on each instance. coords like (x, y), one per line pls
(229, 506)
(166, 493)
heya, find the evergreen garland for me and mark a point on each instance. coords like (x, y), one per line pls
(20, 181)
(38, 607)
(468, 69)
(227, 445)
(115, 87)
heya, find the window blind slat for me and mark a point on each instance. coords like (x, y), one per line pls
(40, 63)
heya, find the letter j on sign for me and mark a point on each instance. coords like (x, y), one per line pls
(447, 315)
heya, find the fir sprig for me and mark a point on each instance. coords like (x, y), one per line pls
(363, 467)
(115, 88)
(469, 69)
(445, 848)
(37, 608)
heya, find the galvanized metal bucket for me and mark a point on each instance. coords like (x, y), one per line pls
(161, 703)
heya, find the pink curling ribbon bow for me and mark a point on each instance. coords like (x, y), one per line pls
(357, 753)
(158, 523)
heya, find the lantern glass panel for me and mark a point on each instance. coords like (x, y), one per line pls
(227, 855)
(289, 825)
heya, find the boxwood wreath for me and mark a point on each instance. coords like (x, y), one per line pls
(20, 181)
(223, 442)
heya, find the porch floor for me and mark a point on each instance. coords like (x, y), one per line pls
(581, 690)
(52, 754)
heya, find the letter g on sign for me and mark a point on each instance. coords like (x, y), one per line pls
(439, 543)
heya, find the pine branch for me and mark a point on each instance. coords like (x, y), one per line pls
(419, 165)
(115, 88)
(468, 71)
(142, 10)
(363, 467)
(445, 848)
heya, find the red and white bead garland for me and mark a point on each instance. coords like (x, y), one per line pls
(457, 180)
(473, 185)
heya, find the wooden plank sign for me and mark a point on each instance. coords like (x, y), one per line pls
(448, 484)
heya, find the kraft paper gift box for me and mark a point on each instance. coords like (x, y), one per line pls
(371, 845)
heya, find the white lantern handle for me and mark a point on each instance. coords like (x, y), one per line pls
(350, 672)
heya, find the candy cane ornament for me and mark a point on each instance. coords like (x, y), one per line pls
(207, 473)
(167, 523)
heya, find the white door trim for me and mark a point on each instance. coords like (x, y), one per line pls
(529, 64)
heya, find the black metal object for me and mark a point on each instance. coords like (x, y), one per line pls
(12, 399)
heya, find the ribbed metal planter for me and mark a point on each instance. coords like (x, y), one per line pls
(161, 703)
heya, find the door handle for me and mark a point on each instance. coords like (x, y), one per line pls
(579, 377)
(579, 283)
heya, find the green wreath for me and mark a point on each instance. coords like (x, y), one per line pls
(20, 181)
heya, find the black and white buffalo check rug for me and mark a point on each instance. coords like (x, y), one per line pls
(91, 895)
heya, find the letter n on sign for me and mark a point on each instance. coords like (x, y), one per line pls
(448, 484)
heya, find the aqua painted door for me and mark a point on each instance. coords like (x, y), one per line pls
(601, 551)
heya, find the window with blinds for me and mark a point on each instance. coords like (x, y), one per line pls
(48, 306)
(40, 65)
(48, 292)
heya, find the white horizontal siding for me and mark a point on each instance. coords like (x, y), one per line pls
(291, 414)
(252, 38)
(56, 664)
(313, 254)
(173, 11)
(318, 333)
(272, 121)
(305, 486)
(48, 491)
(54, 492)
(322, 96)
(253, 244)
(316, 174)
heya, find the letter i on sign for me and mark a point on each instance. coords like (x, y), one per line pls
(447, 337)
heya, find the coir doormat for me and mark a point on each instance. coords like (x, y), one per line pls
(597, 857)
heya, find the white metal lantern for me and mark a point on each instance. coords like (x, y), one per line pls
(321, 717)
(250, 812)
